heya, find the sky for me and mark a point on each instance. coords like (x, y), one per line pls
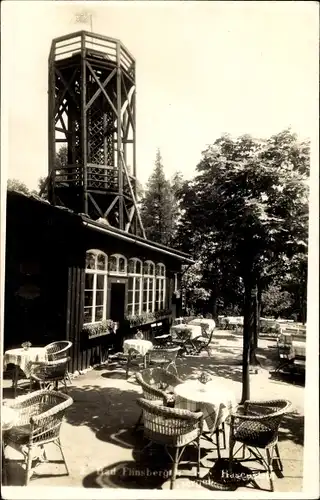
(202, 69)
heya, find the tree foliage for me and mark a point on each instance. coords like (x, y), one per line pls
(275, 302)
(16, 185)
(159, 205)
(246, 213)
(247, 208)
(192, 287)
(62, 157)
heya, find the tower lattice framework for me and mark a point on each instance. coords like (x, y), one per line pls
(92, 113)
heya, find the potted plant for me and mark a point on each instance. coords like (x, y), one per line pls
(26, 345)
(204, 378)
(139, 335)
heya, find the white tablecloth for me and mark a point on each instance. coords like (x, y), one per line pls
(196, 330)
(214, 401)
(142, 346)
(8, 417)
(299, 348)
(24, 358)
(203, 321)
(237, 321)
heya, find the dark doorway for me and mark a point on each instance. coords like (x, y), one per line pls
(117, 303)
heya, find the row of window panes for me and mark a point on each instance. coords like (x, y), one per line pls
(95, 300)
(139, 288)
(147, 293)
(117, 264)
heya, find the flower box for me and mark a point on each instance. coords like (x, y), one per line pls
(143, 319)
(100, 329)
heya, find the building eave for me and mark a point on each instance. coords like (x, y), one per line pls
(118, 233)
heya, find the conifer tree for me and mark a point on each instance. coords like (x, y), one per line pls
(158, 206)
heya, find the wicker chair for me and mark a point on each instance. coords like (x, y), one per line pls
(58, 350)
(50, 373)
(203, 342)
(164, 357)
(172, 428)
(256, 425)
(40, 416)
(163, 340)
(286, 354)
(158, 385)
(181, 336)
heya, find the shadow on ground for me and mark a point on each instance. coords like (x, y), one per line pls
(229, 336)
(149, 469)
(291, 378)
(145, 473)
(104, 410)
(292, 428)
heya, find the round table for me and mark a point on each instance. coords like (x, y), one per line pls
(139, 345)
(8, 417)
(211, 324)
(188, 331)
(23, 359)
(216, 402)
(136, 346)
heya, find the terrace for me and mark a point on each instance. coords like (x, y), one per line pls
(103, 449)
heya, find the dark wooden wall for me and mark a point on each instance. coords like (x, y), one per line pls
(35, 273)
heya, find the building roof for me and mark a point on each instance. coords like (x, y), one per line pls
(103, 227)
(138, 240)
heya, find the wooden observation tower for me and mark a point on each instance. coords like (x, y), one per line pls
(92, 113)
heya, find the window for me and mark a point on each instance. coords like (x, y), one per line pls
(148, 287)
(117, 264)
(175, 287)
(134, 287)
(95, 293)
(160, 287)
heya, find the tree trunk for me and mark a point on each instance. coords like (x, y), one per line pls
(304, 306)
(213, 304)
(214, 308)
(259, 307)
(248, 327)
(256, 321)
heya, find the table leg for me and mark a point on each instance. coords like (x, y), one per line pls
(145, 361)
(15, 380)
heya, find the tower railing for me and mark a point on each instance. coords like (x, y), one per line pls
(98, 177)
(98, 45)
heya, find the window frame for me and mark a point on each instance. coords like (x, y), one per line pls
(147, 277)
(95, 273)
(118, 256)
(134, 275)
(161, 281)
(175, 286)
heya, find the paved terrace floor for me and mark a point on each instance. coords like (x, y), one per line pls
(103, 451)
